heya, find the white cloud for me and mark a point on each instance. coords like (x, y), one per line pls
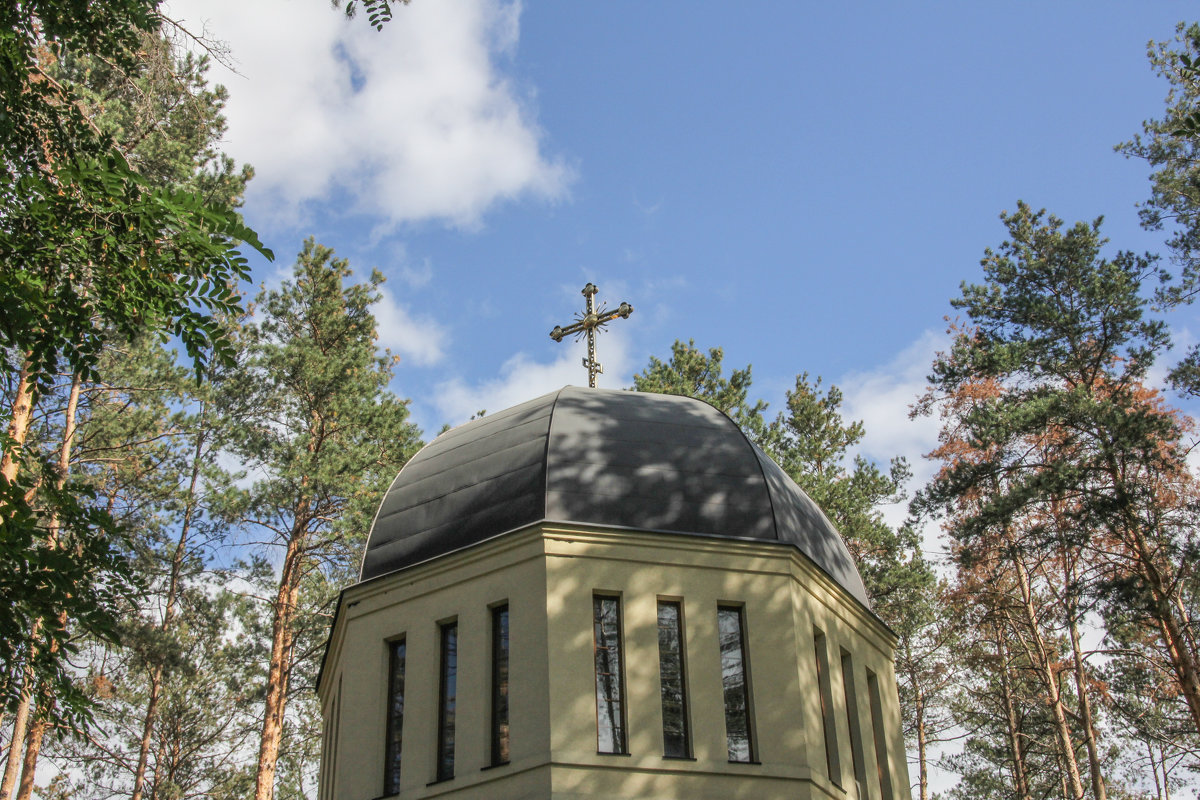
(417, 276)
(420, 340)
(522, 378)
(412, 123)
(881, 399)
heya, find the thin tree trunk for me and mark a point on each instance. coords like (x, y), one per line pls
(1166, 776)
(282, 639)
(18, 426)
(23, 751)
(139, 773)
(1020, 774)
(922, 764)
(33, 746)
(1174, 638)
(1085, 713)
(17, 742)
(1158, 794)
(1041, 657)
(1182, 659)
(1085, 703)
(173, 589)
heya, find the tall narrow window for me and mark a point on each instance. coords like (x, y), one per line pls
(881, 756)
(610, 688)
(852, 723)
(500, 685)
(832, 763)
(447, 701)
(671, 670)
(395, 716)
(735, 681)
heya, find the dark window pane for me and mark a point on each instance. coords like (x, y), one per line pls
(610, 719)
(448, 700)
(500, 685)
(833, 764)
(395, 717)
(881, 755)
(733, 680)
(852, 722)
(671, 672)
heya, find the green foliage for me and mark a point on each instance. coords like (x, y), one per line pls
(1171, 146)
(90, 246)
(96, 251)
(1061, 470)
(40, 579)
(40, 124)
(102, 241)
(812, 442)
(1062, 334)
(311, 416)
(162, 114)
(311, 405)
(379, 12)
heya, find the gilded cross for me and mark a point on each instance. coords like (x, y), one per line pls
(590, 323)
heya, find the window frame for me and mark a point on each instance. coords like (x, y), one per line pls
(853, 721)
(739, 610)
(447, 699)
(882, 760)
(833, 761)
(500, 728)
(681, 645)
(620, 733)
(393, 761)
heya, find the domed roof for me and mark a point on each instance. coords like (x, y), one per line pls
(632, 460)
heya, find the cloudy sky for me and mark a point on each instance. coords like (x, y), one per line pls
(803, 184)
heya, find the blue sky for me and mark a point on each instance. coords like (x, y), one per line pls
(802, 184)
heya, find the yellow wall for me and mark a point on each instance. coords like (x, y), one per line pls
(548, 575)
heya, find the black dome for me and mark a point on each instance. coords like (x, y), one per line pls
(634, 460)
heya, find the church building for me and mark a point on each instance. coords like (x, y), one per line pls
(606, 594)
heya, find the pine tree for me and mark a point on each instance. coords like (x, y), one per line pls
(310, 412)
(1171, 146)
(812, 442)
(1060, 464)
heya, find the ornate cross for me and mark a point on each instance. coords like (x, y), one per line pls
(591, 322)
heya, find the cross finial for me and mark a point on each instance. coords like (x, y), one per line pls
(590, 323)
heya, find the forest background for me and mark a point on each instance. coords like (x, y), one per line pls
(190, 464)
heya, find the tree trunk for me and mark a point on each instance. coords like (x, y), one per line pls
(1020, 775)
(1085, 703)
(922, 764)
(173, 589)
(282, 639)
(18, 429)
(139, 773)
(1174, 638)
(1041, 657)
(16, 743)
(1183, 660)
(1166, 776)
(1158, 794)
(18, 426)
(32, 748)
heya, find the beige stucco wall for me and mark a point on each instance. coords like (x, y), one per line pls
(548, 575)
